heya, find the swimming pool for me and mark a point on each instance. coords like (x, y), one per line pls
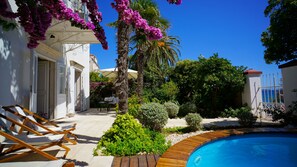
(249, 150)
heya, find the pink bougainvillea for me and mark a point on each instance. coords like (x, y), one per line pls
(35, 16)
(130, 16)
(177, 2)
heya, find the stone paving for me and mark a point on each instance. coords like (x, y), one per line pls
(91, 125)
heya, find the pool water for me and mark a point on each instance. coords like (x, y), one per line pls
(250, 150)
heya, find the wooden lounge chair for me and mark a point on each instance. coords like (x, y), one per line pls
(36, 143)
(54, 163)
(44, 126)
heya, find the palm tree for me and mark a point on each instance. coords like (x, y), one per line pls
(158, 55)
(163, 56)
(149, 11)
(123, 36)
(164, 51)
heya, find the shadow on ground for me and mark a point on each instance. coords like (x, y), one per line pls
(83, 139)
(95, 111)
(78, 163)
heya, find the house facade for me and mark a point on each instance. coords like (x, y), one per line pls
(94, 66)
(289, 71)
(53, 79)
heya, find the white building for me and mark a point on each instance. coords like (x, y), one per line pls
(53, 79)
(289, 71)
(94, 66)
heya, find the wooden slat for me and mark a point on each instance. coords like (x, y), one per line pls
(125, 162)
(134, 161)
(142, 161)
(151, 162)
(116, 162)
(167, 162)
(176, 154)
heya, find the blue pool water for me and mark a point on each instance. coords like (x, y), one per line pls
(251, 150)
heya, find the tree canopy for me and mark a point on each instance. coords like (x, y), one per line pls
(280, 38)
(211, 83)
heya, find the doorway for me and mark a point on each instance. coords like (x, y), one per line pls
(46, 88)
(78, 92)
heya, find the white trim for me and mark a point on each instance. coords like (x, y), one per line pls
(76, 66)
(44, 49)
(45, 57)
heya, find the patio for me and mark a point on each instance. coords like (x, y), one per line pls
(91, 125)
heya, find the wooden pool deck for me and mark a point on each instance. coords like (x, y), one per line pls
(136, 161)
(178, 154)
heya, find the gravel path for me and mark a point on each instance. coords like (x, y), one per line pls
(214, 122)
(175, 138)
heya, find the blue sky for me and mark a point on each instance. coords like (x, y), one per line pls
(231, 28)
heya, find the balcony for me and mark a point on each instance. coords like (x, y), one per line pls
(77, 6)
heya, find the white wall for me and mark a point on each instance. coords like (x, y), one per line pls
(93, 63)
(289, 84)
(16, 69)
(80, 54)
(252, 94)
(14, 66)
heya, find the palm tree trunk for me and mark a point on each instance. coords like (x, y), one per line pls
(140, 69)
(122, 63)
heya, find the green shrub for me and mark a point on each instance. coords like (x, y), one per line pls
(167, 91)
(96, 77)
(158, 144)
(172, 109)
(127, 137)
(230, 112)
(246, 118)
(153, 116)
(176, 130)
(133, 106)
(194, 120)
(285, 117)
(186, 108)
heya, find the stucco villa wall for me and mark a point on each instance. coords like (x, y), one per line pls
(15, 67)
(80, 55)
(289, 84)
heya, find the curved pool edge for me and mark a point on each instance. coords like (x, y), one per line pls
(178, 154)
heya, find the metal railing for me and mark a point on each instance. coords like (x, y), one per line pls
(272, 94)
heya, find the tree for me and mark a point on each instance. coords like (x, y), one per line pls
(149, 11)
(217, 84)
(124, 31)
(280, 38)
(164, 51)
(213, 83)
(185, 77)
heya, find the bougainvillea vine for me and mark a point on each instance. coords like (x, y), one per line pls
(35, 16)
(177, 2)
(130, 16)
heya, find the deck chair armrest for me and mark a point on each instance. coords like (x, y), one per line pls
(21, 125)
(36, 116)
